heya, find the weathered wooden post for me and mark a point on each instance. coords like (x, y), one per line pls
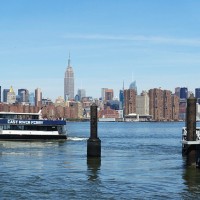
(191, 130)
(93, 143)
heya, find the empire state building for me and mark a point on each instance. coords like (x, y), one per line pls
(69, 82)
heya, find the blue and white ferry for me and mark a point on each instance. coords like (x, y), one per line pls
(30, 126)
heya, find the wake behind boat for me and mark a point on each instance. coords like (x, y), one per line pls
(30, 126)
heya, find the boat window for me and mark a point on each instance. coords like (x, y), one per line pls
(31, 128)
(6, 127)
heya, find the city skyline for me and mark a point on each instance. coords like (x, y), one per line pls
(156, 43)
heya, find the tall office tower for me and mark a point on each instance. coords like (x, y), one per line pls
(133, 86)
(103, 90)
(31, 99)
(69, 82)
(142, 104)
(121, 99)
(197, 94)
(129, 101)
(183, 93)
(5, 94)
(109, 94)
(23, 95)
(156, 104)
(81, 94)
(38, 97)
(0, 93)
(11, 96)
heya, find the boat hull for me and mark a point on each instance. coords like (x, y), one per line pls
(23, 137)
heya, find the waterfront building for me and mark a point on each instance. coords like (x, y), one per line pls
(129, 101)
(142, 104)
(167, 105)
(0, 93)
(11, 96)
(108, 113)
(23, 95)
(69, 82)
(163, 106)
(5, 94)
(156, 104)
(175, 107)
(38, 97)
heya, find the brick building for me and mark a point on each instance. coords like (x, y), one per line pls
(163, 106)
(129, 101)
(108, 113)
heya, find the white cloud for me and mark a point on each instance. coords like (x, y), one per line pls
(139, 38)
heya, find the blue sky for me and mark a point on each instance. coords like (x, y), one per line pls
(155, 42)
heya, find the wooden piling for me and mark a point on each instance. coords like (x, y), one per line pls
(191, 130)
(93, 143)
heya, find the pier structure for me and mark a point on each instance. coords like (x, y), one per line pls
(191, 135)
(93, 143)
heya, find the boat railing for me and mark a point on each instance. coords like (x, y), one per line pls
(184, 134)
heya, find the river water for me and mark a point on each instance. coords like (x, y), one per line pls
(139, 161)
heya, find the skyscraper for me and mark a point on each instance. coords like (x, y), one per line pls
(129, 101)
(69, 82)
(121, 99)
(183, 93)
(103, 93)
(5, 94)
(23, 95)
(11, 97)
(133, 86)
(197, 94)
(31, 99)
(81, 93)
(156, 103)
(38, 97)
(142, 103)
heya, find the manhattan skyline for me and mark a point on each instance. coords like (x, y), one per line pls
(156, 43)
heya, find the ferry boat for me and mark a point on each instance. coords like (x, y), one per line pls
(30, 126)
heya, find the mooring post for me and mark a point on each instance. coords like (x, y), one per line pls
(93, 143)
(191, 130)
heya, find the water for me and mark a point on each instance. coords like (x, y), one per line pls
(139, 161)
